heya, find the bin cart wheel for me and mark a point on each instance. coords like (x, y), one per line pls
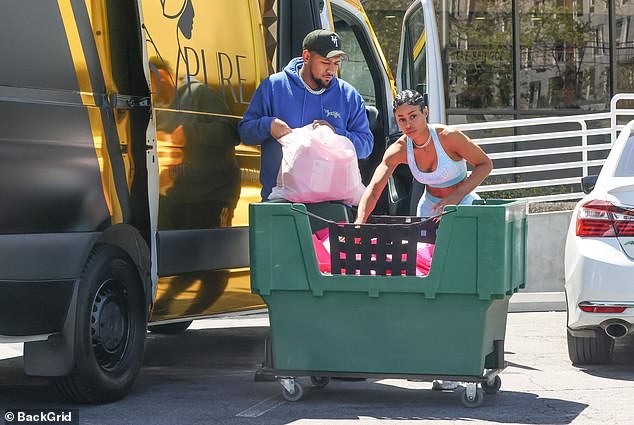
(291, 391)
(472, 396)
(494, 387)
(320, 381)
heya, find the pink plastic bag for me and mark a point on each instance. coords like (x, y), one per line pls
(318, 165)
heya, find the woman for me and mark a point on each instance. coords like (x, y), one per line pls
(437, 157)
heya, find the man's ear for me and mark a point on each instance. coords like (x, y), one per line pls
(305, 55)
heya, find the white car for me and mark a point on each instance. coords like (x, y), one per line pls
(599, 261)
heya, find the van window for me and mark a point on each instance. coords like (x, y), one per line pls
(355, 70)
(414, 70)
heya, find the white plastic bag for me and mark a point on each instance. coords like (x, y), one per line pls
(318, 165)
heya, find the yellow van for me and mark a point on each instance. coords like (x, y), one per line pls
(125, 186)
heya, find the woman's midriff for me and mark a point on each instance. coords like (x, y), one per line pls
(441, 192)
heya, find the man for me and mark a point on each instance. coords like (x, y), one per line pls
(306, 92)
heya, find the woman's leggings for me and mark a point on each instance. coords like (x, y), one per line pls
(427, 201)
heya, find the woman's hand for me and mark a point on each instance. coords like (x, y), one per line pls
(451, 199)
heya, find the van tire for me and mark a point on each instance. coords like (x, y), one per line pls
(110, 330)
(590, 351)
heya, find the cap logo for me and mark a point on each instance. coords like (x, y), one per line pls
(335, 40)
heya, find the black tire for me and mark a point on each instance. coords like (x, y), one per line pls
(590, 351)
(319, 381)
(110, 330)
(476, 401)
(494, 388)
(170, 328)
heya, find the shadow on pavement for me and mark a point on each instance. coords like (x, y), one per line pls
(373, 400)
(17, 389)
(206, 376)
(233, 355)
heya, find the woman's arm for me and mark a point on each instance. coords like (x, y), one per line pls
(394, 155)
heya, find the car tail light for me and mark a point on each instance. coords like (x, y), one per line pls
(604, 219)
(598, 309)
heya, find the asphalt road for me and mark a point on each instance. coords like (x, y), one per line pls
(205, 376)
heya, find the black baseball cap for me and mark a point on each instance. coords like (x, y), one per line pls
(323, 42)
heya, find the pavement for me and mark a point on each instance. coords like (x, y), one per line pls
(205, 376)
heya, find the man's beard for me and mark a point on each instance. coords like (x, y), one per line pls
(321, 84)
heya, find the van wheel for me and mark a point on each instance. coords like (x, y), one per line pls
(589, 351)
(110, 330)
(170, 328)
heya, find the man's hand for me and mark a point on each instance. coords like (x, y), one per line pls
(317, 123)
(279, 129)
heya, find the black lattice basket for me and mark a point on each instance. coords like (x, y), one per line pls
(384, 246)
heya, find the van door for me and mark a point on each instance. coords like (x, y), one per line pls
(207, 58)
(419, 68)
(419, 63)
(368, 71)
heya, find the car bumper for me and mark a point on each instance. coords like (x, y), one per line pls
(598, 272)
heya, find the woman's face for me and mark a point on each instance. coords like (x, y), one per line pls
(410, 119)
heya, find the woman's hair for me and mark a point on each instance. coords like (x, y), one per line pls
(410, 97)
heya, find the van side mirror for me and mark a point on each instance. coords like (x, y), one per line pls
(588, 183)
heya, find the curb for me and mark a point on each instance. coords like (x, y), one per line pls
(537, 301)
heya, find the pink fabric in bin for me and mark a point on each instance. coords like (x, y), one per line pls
(424, 254)
(321, 241)
(323, 255)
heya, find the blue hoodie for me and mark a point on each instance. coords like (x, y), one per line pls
(285, 96)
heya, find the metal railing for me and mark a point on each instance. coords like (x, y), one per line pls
(542, 158)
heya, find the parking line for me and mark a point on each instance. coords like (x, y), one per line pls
(262, 407)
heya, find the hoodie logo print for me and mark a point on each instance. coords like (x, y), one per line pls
(332, 113)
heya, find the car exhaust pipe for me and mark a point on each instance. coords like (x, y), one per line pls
(616, 329)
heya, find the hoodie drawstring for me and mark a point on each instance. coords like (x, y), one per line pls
(321, 104)
(303, 105)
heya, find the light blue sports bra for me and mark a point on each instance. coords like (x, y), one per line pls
(447, 173)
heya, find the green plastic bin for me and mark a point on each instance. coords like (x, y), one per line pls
(450, 323)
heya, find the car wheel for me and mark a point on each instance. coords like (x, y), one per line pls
(109, 332)
(170, 328)
(589, 351)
